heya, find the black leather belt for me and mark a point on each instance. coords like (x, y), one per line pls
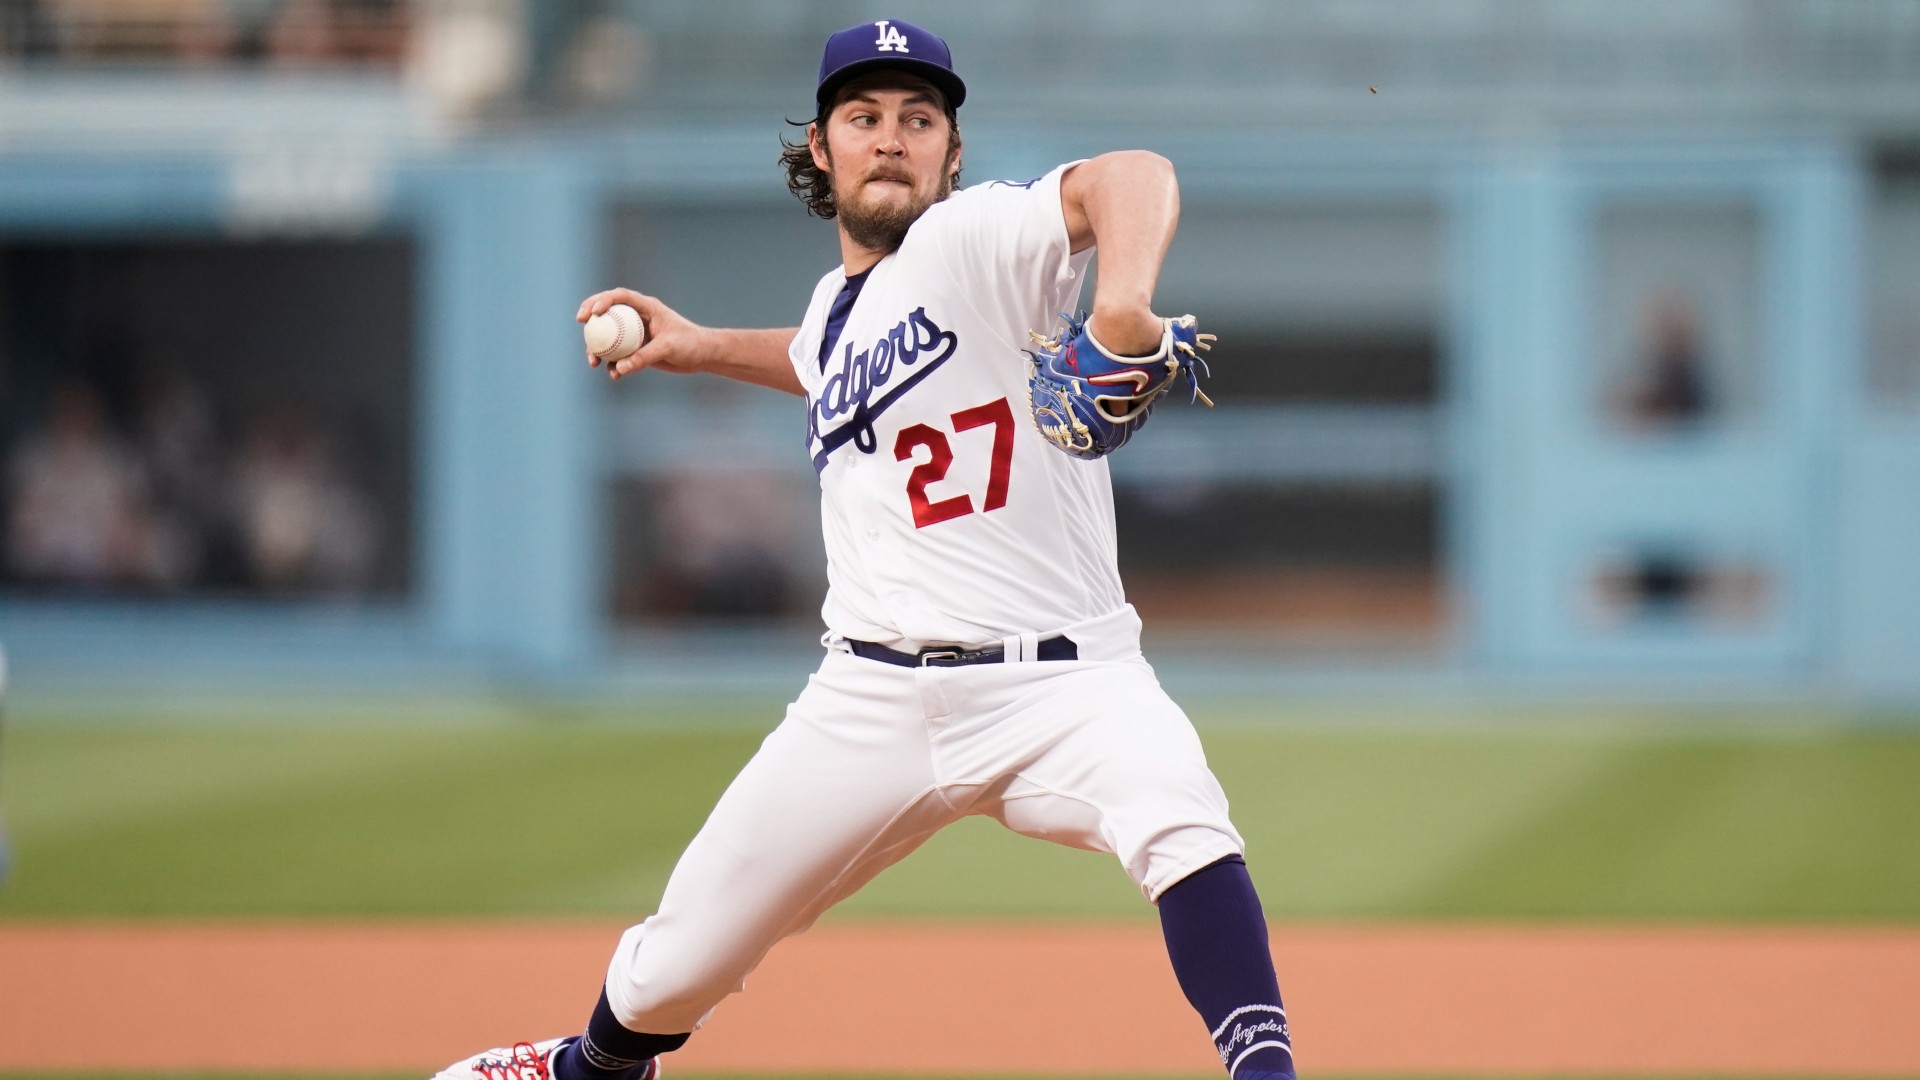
(1057, 647)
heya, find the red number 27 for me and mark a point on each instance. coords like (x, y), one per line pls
(940, 459)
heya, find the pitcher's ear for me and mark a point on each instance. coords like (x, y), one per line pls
(817, 142)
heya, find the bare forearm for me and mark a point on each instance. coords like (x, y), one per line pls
(752, 356)
(1130, 205)
(1133, 212)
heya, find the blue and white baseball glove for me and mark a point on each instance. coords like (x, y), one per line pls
(1089, 402)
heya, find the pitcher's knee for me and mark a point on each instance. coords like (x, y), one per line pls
(1168, 857)
(651, 990)
(666, 1002)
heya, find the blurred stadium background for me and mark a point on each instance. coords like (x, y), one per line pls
(1554, 550)
(1567, 343)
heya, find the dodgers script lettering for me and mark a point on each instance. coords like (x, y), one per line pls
(914, 342)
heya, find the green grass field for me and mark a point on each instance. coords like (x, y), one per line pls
(1582, 816)
(502, 813)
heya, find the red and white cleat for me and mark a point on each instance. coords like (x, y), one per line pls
(521, 1061)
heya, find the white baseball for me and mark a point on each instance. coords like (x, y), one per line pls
(615, 334)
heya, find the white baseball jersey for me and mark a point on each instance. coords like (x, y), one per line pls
(948, 518)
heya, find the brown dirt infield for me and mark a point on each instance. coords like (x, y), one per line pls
(980, 999)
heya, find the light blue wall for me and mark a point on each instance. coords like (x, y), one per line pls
(514, 460)
(1549, 484)
(511, 447)
(1876, 639)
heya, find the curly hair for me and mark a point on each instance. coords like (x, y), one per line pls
(812, 186)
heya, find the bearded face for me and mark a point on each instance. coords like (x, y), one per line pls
(891, 152)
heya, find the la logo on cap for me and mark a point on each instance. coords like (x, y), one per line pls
(891, 39)
(877, 44)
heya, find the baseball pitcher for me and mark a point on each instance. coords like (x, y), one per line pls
(981, 657)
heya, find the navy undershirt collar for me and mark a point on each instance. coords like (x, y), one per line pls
(837, 314)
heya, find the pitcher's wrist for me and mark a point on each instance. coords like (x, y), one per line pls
(1127, 331)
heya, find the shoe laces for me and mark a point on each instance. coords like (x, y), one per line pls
(524, 1063)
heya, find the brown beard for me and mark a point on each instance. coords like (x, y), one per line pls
(884, 227)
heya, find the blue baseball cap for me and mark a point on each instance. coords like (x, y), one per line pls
(887, 43)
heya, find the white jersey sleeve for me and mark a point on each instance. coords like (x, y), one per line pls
(1006, 245)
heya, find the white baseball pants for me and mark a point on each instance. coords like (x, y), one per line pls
(873, 759)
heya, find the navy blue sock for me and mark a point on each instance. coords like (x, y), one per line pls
(610, 1050)
(1217, 940)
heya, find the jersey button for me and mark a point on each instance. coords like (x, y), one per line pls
(873, 534)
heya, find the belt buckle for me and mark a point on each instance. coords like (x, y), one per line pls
(931, 655)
